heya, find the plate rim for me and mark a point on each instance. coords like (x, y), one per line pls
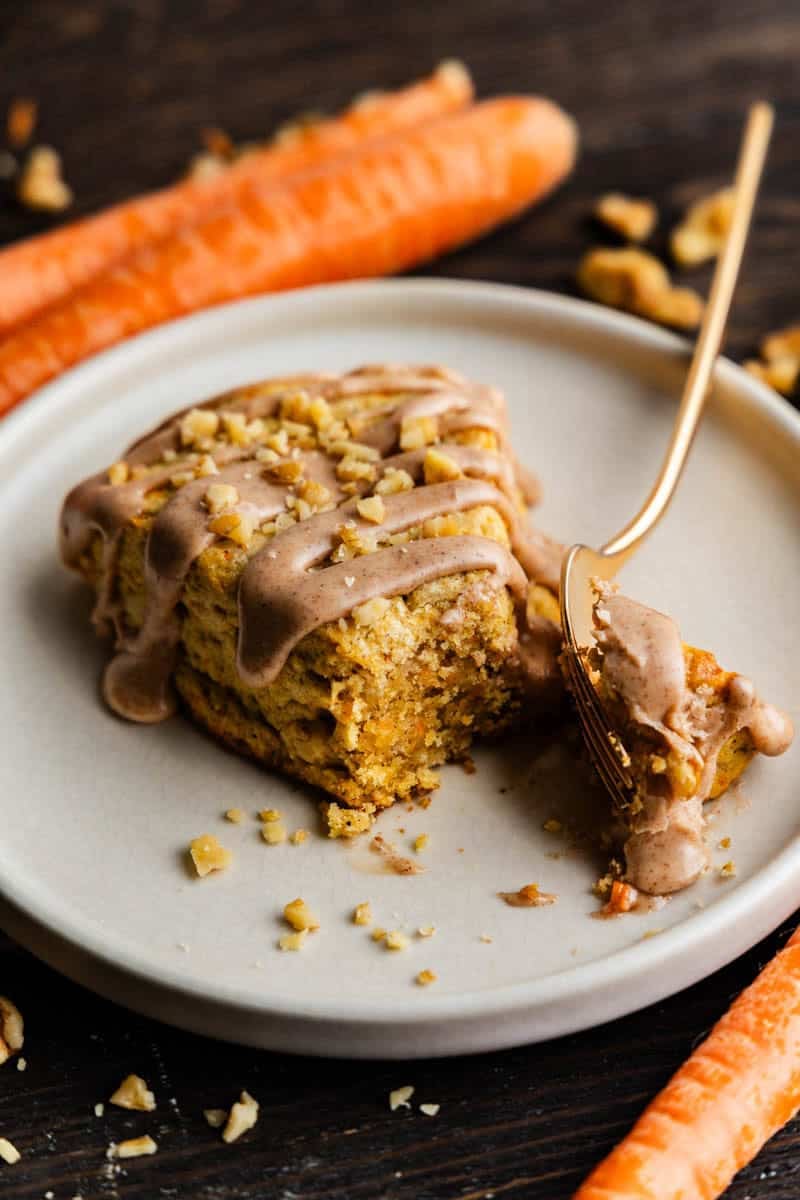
(768, 894)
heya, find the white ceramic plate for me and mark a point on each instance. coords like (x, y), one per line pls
(96, 814)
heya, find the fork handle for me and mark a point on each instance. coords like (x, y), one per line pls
(748, 174)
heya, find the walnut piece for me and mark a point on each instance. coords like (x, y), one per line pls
(216, 1117)
(12, 1029)
(424, 978)
(396, 940)
(372, 509)
(208, 855)
(40, 184)
(197, 424)
(701, 234)
(243, 1116)
(299, 915)
(634, 280)
(430, 1110)
(439, 468)
(293, 941)
(633, 219)
(400, 1097)
(362, 914)
(416, 432)
(134, 1147)
(9, 1152)
(273, 833)
(134, 1093)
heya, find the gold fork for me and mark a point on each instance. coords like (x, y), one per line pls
(582, 564)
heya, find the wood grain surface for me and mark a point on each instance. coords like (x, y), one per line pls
(659, 90)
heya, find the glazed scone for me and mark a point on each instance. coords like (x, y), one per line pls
(335, 574)
(686, 730)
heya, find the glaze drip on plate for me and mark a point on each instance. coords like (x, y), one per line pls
(293, 503)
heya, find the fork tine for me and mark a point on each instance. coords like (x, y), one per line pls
(596, 729)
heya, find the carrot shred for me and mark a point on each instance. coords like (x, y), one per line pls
(736, 1090)
(44, 269)
(386, 207)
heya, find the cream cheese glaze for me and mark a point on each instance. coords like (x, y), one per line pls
(289, 587)
(643, 669)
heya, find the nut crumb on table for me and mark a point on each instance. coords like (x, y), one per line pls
(243, 1116)
(401, 1097)
(133, 1093)
(636, 281)
(632, 219)
(299, 916)
(426, 977)
(208, 855)
(136, 1147)
(9, 1152)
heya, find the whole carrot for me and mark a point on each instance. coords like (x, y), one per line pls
(733, 1093)
(42, 270)
(384, 208)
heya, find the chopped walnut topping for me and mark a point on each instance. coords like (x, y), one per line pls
(633, 219)
(216, 1117)
(362, 914)
(40, 184)
(357, 450)
(219, 496)
(181, 477)
(237, 526)
(134, 1093)
(21, 122)
(298, 837)
(208, 855)
(118, 473)
(265, 455)
(278, 442)
(316, 495)
(288, 471)
(273, 833)
(528, 896)
(372, 509)
(198, 423)
(636, 281)
(234, 815)
(396, 940)
(206, 467)
(429, 1110)
(440, 468)
(134, 1148)
(299, 915)
(702, 233)
(371, 610)
(400, 1097)
(293, 941)
(9, 1152)
(421, 842)
(235, 426)
(394, 480)
(416, 432)
(12, 1030)
(355, 469)
(424, 978)
(243, 1116)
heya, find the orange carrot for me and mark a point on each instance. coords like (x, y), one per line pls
(734, 1092)
(394, 203)
(44, 269)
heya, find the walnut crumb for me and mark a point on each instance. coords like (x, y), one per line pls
(134, 1093)
(289, 471)
(400, 1097)
(293, 941)
(394, 480)
(636, 281)
(728, 870)
(528, 896)
(40, 183)
(426, 931)
(12, 1030)
(208, 855)
(234, 815)
(22, 1064)
(429, 1110)
(269, 814)
(215, 1117)
(133, 1147)
(299, 915)
(273, 833)
(362, 914)
(243, 1116)
(632, 219)
(424, 978)
(298, 837)
(396, 940)
(421, 842)
(9, 1152)
(378, 934)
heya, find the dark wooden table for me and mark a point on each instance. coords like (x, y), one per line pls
(659, 90)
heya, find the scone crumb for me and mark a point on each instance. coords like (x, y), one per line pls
(134, 1147)
(133, 1093)
(426, 977)
(728, 870)
(632, 219)
(298, 837)
(243, 1116)
(299, 915)
(396, 940)
(273, 833)
(347, 822)
(12, 1030)
(9, 1152)
(430, 1110)
(528, 896)
(234, 815)
(372, 509)
(371, 610)
(378, 934)
(293, 941)
(421, 842)
(118, 473)
(400, 1097)
(362, 914)
(215, 1117)
(208, 855)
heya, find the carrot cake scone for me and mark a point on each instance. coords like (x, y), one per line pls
(335, 574)
(687, 729)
